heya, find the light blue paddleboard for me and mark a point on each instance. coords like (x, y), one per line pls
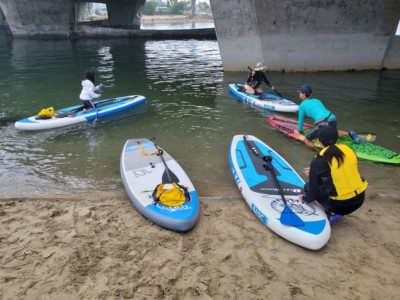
(255, 180)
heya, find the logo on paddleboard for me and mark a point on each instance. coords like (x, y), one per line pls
(173, 208)
(296, 205)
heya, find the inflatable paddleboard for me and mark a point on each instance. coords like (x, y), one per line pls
(268, 101)
(271, 189)
(74, 114)
(143, 167)
(364, 150)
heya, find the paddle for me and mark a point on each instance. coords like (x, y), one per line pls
(279, 94)
(288, 217)
(168, 176)
(98, 103)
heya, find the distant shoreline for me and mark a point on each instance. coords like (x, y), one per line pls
(176, 19)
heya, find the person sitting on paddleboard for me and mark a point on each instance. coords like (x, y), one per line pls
(89, 90)
(334, 180)
(314, 109)
(255, 79)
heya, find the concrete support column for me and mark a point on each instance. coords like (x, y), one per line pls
(124, 13)
(80, 11)
(304, 35)
(39, 18)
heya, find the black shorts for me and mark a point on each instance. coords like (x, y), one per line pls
(344, 207)
(313, 133)
(88, 104)
(254, 84)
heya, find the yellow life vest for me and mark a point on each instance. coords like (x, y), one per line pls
(346, 179)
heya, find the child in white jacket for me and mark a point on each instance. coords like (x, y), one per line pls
(89, 90)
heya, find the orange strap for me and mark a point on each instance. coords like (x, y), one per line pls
(142, 150)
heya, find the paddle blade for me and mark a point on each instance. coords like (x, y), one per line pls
(169, 176)
(288, 217)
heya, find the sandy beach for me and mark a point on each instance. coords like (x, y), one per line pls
(100, 247)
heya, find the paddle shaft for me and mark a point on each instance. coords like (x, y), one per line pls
(170, 174)
(268, 160)
(98, 104)
(288, 217)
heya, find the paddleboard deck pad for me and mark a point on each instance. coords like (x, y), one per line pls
(260, 191)
(142, 169)
(74, 114)
(268, 101)
(364, 150)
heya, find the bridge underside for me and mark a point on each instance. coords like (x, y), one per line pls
(296, 35)
(61, 18)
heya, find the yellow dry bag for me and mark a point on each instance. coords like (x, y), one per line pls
(46, 113)
(170, 194)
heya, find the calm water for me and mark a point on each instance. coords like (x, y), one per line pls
(189, 111)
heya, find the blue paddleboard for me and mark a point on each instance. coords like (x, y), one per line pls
(271, 188)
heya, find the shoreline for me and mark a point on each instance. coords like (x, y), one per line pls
(100, 247)
(175, 19)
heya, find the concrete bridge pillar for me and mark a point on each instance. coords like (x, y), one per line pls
(305, 35)
(124, 13)
(57, 18)
(38, 18)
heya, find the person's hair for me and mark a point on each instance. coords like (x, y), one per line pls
(89, 74)
(328, 137)
(334, 152)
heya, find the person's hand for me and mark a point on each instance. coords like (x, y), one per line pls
(306, 171)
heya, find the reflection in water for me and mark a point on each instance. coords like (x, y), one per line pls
(106, 65)
(195, 67)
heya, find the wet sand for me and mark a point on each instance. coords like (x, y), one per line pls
(100, 247)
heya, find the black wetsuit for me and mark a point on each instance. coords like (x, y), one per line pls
(255, 80)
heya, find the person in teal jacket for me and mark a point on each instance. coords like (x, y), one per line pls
(315, 109)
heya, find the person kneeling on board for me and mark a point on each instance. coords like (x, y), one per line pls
(334, 180)
(255, 79)
(89, 91)
(313, 108)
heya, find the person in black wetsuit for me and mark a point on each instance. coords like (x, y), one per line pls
(334, 180)
(256, 78)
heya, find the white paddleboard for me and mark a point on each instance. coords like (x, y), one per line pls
(74, 114)
(142, 169)
(269, 101)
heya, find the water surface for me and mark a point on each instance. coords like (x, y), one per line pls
(189, 111)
